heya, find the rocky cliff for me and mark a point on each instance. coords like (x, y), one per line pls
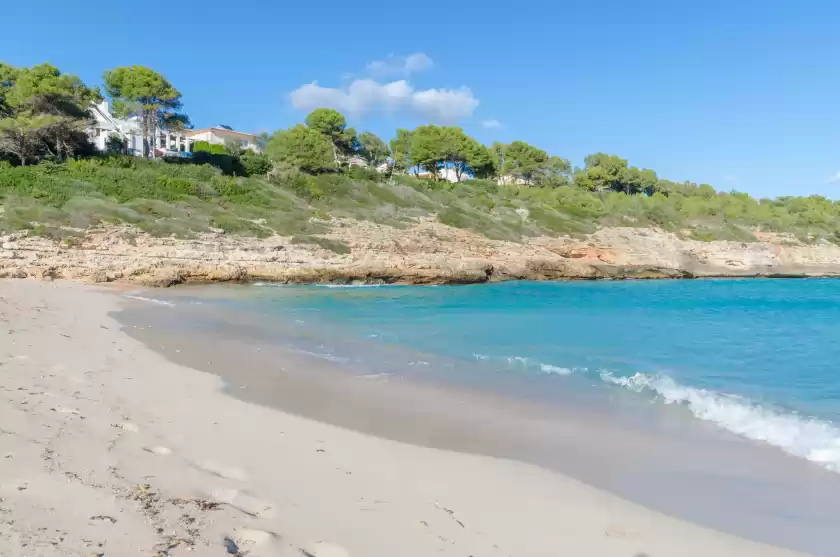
(427, 252)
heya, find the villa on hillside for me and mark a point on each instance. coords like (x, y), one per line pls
(357, 161)
(165, 142)
(130, 131)
(219, 135)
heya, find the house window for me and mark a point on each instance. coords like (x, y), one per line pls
(98, 132)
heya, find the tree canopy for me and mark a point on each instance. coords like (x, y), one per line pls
(372, 149)
(605, 172)
(142, 92)
(332, 125)
(525, 163)
(400, 146)
(301, 147)
(43, 113)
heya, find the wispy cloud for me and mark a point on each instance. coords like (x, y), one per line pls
(834, 179)
(365, 96)
(402, 66)
(491, 124)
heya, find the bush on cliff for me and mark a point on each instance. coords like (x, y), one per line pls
(184, 199)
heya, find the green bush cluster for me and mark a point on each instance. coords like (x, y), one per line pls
(184, 199)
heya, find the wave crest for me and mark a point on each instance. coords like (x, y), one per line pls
(810, 438)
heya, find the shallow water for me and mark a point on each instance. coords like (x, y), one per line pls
(713, 400)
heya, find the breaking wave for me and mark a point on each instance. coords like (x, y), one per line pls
(810, 438)
(530, 363)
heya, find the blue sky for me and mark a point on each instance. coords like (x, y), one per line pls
(742, 95)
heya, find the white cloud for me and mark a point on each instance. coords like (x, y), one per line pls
(491, 124)
(834, 179)
(364, 96)
(400, 65)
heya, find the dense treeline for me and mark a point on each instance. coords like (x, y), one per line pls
(312, 170)
(43, 114)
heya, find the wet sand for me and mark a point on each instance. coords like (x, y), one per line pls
(113, 449)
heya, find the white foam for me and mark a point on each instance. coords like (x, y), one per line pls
(349, 285)
(322, 356)
(809, 438)
(153, 300)
(548, 368)
(521, 361)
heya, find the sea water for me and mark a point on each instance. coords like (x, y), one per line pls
(755, 359)
(760, 358)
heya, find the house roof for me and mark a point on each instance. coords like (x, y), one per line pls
(218, 129)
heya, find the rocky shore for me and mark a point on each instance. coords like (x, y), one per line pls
(427, 252)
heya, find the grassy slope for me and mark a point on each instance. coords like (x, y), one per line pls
(165, 199)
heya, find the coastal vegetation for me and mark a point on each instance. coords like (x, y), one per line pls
(52, 182)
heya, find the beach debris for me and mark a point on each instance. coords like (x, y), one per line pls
(451, 513)
(127, 426)
(62, 410)
(202, 504)
(231, 547)
(618, 532)
(104, 517)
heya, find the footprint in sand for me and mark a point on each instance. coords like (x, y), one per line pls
(325, 549)
(243, 502)
(227, 472)
(258, 543)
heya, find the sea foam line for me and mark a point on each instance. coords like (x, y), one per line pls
(349, 285)
(521, 361)
(153, 300)
(810, 438)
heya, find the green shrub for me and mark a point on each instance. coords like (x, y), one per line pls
(254, 164)
(184, 198)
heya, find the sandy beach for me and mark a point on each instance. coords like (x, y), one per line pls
(111, 449)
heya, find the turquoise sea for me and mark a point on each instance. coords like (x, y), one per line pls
(760, 358)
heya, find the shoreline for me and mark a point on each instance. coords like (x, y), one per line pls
(655, 456)
(135, 452)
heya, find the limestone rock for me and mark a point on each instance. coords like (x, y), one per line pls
(427, 252)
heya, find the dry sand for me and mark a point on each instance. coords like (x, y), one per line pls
(107, 448)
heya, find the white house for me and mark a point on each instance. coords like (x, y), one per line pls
(356, 160)
(447, 173)
(130, 130)
(509, 179)
(218, 135)
(106, 124)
